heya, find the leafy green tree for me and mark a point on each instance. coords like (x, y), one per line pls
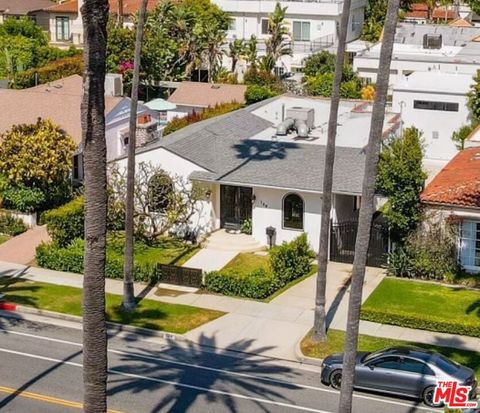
(120, 46)
(401, 179)
(24, 27)
(461, 135)
(374, 20)
(36, 155)
(213, 38)
(474, 5)
(251, 52)
(319, 64)
(474, 99)
(322, 85)
(256, 93)
(17, 53)
(278, 42)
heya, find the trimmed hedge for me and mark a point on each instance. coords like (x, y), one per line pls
(23, 199)
(52, 71)
(419, 322)
(66, 223)
(257, 284)
(288, 262)
(10, 225)
(71, 259)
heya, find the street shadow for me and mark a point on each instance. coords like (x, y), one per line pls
(474, 308)
(194, 376)
(332, 310)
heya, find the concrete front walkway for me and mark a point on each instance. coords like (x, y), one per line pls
(21, 249)
(220, 248)
(272, 329)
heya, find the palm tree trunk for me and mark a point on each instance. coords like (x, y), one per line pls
(367, 208)
(319, 323)
(95, 16)
(128, 290)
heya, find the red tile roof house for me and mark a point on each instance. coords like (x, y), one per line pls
(66, 22)
(418, 13)
(455, 193)
(60, 102)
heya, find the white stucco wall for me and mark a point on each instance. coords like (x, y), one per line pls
(267, 211)
(204, 219)
(432, 122)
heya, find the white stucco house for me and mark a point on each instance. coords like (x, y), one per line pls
(424, 48)
(435, 102)
(264, 163)
(455, 194)
(313, 25)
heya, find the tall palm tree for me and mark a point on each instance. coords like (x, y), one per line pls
(120, 13)
(278, 44)
(213, 38)
(319, 323)
(235, 51)
(95, 17)
(367, 208)
(251, 52)
(129, 303)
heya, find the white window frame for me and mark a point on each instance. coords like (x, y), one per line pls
(63, 35)
(469, 244)
(305, 31)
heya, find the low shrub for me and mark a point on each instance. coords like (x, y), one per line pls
(417, 321)
(23, 199)
(257, 93)
(257, 284)
(70, 259)
(9, 225)
(291, 260)
(179, 123)
(66, 223)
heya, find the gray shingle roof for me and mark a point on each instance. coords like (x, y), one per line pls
(223, 146)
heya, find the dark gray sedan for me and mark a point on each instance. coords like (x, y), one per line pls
(404, 371)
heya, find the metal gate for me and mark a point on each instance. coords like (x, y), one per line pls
(342, 243)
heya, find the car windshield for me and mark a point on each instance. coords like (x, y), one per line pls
(444, 364)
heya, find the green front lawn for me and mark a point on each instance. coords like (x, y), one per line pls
(150, 314)
(335, 342)
(424, 305)
(246, 262)
(3, 238)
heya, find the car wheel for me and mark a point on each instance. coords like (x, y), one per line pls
(336, 379)
(428, 397)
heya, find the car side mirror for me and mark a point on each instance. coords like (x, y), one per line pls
(371, 366)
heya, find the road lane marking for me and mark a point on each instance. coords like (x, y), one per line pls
(45, 398)
(233, 373)
(172, 383)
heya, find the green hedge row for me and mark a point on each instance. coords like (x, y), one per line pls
(257, 284)
(70, 259)
(10, 225)
(419, 322)
(64, 224)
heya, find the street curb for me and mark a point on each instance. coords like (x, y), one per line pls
(303, 359)
(116, 327)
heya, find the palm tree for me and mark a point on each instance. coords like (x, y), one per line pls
(367, 208)
(446, 4)
(319, 323)
(278, 44)
(431, 4)
(129, 303)
(213, 38)
(120, 13)
(251, 52)
(236, 49)
(95, 17)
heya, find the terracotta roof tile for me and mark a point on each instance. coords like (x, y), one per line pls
(206, 94)
(458, 183)
(129, 6)
(439, 13)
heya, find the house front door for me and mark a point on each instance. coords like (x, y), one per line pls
(235, 206)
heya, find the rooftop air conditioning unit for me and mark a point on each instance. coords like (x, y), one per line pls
(432, 41)
(305, 114)
(113, 85)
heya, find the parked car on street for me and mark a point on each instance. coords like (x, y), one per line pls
(403, 371)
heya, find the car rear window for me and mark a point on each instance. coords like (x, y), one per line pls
(448, 366)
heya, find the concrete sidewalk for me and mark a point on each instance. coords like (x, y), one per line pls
(21, 249)
(272, 329)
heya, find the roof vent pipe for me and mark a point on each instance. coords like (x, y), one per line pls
(302, 128)
(285, 126)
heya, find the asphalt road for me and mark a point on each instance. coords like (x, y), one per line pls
(41, 372)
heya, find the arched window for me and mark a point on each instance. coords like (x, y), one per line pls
(293, 212)
(160, 190)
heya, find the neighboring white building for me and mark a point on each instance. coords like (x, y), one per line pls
(425, 47)
(313, 24)
(435, 103)
(253, 171)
